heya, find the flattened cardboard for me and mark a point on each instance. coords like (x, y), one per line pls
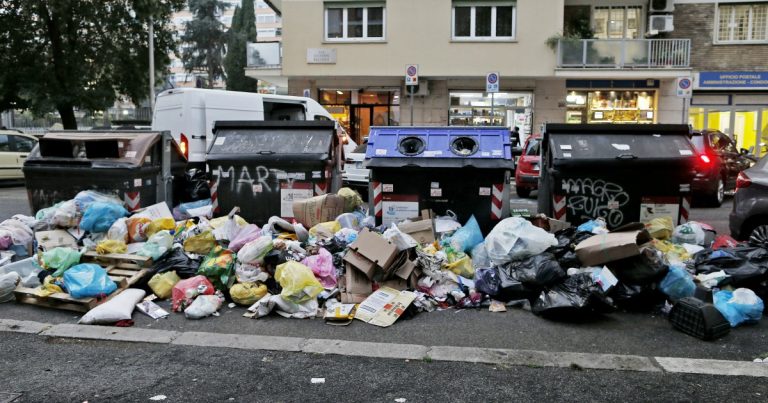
(603, 248)
(422, 231)
(384, 306)
(315, 210)
(47, 240)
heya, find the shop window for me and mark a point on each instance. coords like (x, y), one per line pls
(354, 23)
(610, 106)
(738, 23)
(483, 22)
(617, 22)
(474, 109)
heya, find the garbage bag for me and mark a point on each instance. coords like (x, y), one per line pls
(162, 283)
(578, 294)
(45, 215)
(511, 289)
(515, 238)
(724, 241)
(60, 259)
(203, 306)
(116, 309)
(111, 246)
(461, 267)
(66, 215)
(487, 281)
(247, 234)
(447, 223)
(647, 267)
(137, 228)
(247, 293)
(673, 253)
(199, 208)
(200, 244)
(6, 240)
(480, 258)
(249, 273)
(597, 226)
(27, 269)
(536, 271)
(402, 240)
(88, 280)
(196, 185)
(177, 261)
(254, 252)
(8, 283)
(219, 267)
(690, 232)
(466, 237)
(157, 245)
(322, 266)
(325, 229)
(298, 282)
(21, 233)
(677, 284)
(349, 220)
(87, 197)
(99, 216)
(660, 228)
(741, 306)
(747, 266)
(119, 231)
(187, 290)
(352, 199)
(160, 224)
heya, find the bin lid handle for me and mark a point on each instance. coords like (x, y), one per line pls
(266, 152)
(626, 156)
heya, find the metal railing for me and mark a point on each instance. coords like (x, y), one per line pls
(623, 53)
(264, 55)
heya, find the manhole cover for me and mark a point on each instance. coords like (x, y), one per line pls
(6, 397)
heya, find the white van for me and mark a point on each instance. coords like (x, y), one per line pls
(189, 114)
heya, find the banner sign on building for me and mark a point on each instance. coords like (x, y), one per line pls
(733, 79)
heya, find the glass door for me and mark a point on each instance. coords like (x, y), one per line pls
(745, 130)
(763, 146)
(362, 117)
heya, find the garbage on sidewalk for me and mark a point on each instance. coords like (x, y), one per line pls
(333, 263)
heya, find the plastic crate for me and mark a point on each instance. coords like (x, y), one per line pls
(698, 319)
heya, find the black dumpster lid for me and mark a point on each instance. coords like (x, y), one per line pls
(616, 128)
(273, 124)
(258, 140)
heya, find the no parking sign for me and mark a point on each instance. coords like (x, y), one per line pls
(492, 82)
(684, 87)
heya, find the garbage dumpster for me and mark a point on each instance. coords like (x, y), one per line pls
(136, 166)
(263, 166)
(462, 169)
(621, 172)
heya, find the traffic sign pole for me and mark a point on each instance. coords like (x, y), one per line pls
(411, 90)
(411, 80)
(492, 116)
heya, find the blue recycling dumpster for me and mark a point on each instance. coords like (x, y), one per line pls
(462, 169)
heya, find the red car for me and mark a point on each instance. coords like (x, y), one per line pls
(527, 172)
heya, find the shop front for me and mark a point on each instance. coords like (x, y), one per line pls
(611, 101)
(358, 110)
(736, 103)
(477, 108)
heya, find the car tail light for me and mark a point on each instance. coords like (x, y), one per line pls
(184, 145)
(705, 159)
(742, 181)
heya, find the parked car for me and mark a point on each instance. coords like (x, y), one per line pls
(355, 174)
(527, 172)
(717, 166)
(14, 148)
(749, 217)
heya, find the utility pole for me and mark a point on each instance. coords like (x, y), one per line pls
(151, 66)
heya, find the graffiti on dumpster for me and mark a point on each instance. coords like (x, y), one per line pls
(266, 180)
(591, 198)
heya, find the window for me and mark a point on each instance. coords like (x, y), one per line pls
(265, 18)
(742, 23)
(354, 23)
(23, 144)
(618, 22)
(266, 32)
(483, 22)
(5, 145)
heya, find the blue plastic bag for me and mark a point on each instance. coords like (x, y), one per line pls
(99, 216)
(742, 306)
(596, 226)
(466, 237)
(88, 280)
(678, 283)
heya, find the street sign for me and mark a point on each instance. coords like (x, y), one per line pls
(492, 82)
(307, 92)
(684, 87)
(412, 74)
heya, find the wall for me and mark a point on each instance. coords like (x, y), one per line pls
(419, 31)
(547, 98)
(670, 107)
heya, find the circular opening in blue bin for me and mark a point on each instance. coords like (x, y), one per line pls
(411, 146)
(464, 146)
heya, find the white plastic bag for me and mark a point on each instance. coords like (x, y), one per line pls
(66, 215)
(690, 232)
(402, 240)
(118, 231)
(27, 269)
(447, 223)
(516, 238)
(253, 252)
(116, 309)
(202, 306)
(8, 283)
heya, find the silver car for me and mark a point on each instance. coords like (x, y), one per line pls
(749, 218)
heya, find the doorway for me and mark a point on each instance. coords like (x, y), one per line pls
(365, 116)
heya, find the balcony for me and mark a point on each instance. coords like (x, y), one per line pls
(264, 55)
(623, 53)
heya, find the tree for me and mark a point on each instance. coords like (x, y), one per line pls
(206, 36)
(67, 54)
(242, 31)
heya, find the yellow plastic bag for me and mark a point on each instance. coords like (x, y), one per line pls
(162, 283)
(298, 282)
(462, 267)
(660, 228)
(48, 288)
(219, 221)
(352, 199)
(201, 243)
(673, 252)
(111, 246)
(325, 229)
(247, 293)
(160, 224)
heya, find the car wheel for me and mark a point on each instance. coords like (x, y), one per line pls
(759, 236)
(715, 199)
(523, 192)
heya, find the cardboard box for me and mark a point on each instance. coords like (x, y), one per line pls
(356, 261)
(356, 282)
(315, 210)
(47, 240)
(604, 248)
(422, 231)
(347, 298)
(371, 248)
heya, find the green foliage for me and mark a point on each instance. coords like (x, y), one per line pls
(242, 31)
(206, 36)
(66, 54)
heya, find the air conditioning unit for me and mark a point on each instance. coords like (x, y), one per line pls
(661, 6)
(660, 23)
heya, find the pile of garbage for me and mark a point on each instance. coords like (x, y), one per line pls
(331, 260)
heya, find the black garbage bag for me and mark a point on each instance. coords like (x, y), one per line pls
(577, 295)
(536, 271)
(500, 286)
(747, 266)
(177, 261)
(196, 185)
(646, 268)
(637, 298)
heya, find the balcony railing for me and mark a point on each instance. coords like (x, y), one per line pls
(624, 53)
(264, 55)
